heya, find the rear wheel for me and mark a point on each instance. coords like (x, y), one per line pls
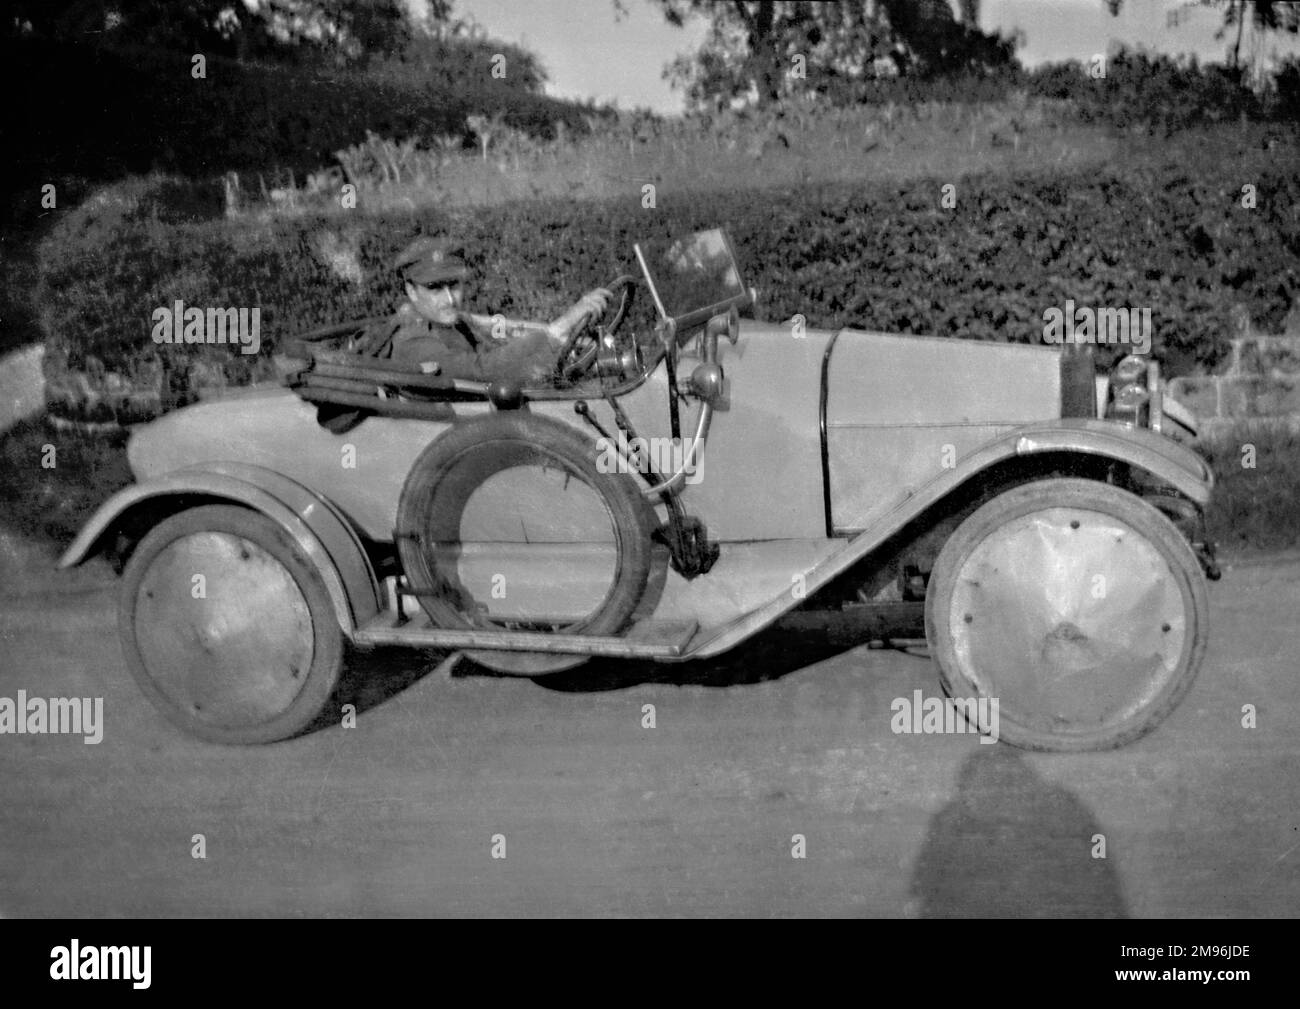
(1077, 605)
(227, 626)
(506, 522)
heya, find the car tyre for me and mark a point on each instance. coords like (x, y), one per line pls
(503, 435)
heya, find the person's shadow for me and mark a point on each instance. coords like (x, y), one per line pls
(1011, 845)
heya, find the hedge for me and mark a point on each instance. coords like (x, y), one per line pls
(1158, 93)
(1164, 94)
(886, 257)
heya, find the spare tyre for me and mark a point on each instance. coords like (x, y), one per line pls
(506, 522)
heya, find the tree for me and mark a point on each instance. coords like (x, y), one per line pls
(338, 30)
(751, 46)
(1265, 16)
(453, 60)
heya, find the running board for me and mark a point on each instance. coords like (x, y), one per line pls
(646, 639)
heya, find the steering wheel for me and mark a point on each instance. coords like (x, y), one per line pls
(579, 351)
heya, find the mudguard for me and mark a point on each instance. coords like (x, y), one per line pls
(857, 506)
(323, 534)
(1158, 455)
(1162, 457)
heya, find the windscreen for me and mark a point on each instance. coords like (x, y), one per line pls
(692, 273)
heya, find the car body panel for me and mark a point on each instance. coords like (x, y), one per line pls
(361, 472)
(890, 380)
(900, 408)
(747, 576)
(762, 474)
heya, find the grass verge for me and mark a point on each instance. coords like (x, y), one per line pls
(1256, 503)
(56, 480)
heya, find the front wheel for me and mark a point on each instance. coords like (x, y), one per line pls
(1077, 606)
(227, 626)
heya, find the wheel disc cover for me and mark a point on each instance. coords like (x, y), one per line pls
(1070, 617)
(238, 654)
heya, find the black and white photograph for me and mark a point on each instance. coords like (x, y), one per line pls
(582, 459)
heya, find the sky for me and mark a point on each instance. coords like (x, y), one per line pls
(1075, 29)
(590, 51)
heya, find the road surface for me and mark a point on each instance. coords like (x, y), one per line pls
(597, 814)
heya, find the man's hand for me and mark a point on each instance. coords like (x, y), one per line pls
(595, 302)
(591, 305)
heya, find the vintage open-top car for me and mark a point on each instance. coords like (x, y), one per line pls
(674, 490)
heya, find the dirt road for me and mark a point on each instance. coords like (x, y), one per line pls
(598, 815)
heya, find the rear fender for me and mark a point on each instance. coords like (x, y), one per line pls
(316, 525)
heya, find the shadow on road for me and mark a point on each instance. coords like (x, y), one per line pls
(370, 677)
(771, 655)
(1012, 845)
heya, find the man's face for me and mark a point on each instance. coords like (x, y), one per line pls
(439, 303)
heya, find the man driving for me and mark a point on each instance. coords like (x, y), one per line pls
(430, 328)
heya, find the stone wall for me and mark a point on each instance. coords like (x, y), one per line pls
(1259, 384)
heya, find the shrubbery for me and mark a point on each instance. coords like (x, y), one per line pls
(1151, 91)
(883, 257)
(1255, 507)
(1161, 94)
